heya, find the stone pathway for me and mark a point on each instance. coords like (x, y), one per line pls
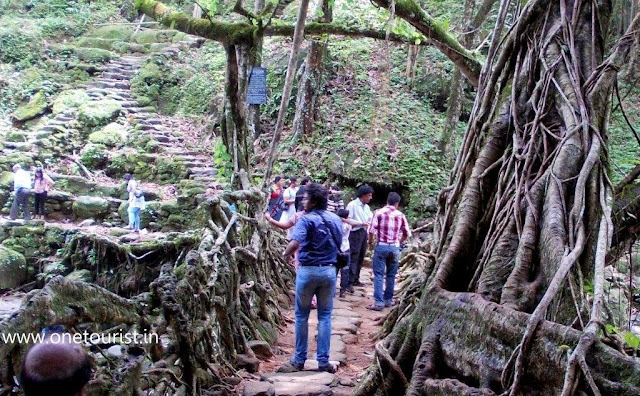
(352, 340)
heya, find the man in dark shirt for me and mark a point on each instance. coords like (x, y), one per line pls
(318, 235)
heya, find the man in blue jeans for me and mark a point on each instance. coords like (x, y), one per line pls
(315, 234)
(390, 228)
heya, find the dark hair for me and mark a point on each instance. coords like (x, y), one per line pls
(393, 198)
(277, 179)
(34, 384)
(343, 213)
(293, 179)
(317, 195)
(39, 170)
(305, 180)
(334, 187)
(364, 190)
(127, 176)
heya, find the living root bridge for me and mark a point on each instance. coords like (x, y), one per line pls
(463, 333)
(202, 308)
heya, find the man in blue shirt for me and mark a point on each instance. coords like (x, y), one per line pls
(318, 234)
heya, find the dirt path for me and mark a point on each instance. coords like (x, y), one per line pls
(354, 330)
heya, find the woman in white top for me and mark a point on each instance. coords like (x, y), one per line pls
(42, 183)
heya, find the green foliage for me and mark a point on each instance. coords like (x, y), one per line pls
(20, 44)
(222, 160)
(630, 339)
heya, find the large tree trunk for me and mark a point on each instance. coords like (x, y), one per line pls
(310, 82)
(499, 304)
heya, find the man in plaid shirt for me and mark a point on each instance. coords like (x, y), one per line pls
(390, 228)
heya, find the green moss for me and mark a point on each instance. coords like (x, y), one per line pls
(94, 55)
(37, 105)
(72, 98)
(112, 135)
(13, 268)
(95, 42)
(99, 113)
(94, 156)
(86, 207)
(153, 36)
(113, 32)
(16, 136)
(124, 47)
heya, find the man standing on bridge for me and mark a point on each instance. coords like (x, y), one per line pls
(390, 228)
(317, 234)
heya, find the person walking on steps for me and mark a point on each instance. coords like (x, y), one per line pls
(132, 187)
(315, 234)
(22, 189)
(359, 212)
(390, 229)
(42, 183)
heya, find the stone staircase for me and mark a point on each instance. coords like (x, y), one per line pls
(112, 81)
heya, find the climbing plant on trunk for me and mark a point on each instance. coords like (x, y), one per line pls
(499, 304)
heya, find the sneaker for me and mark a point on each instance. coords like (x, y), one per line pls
(289, 367)
(375, 307)
(329, 368)
(389, 303)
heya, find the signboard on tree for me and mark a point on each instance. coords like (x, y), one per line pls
(257, 90)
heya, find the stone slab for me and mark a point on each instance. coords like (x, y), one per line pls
(301, 389)
(312, 364)
(258, 389)
(346, 313)
(304, 377)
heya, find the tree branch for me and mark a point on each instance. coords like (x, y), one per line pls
(236, 33)
(437, 35)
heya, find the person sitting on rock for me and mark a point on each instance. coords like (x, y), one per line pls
(61, 369)
(22, 189)
(42, 183)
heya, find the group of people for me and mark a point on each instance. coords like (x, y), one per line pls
(318, 230)
(23, 187)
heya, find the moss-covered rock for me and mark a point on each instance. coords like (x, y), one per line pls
(82, 275)
(80, 186)
(122, 47)
(114, 32)
(13, 268)
(96, 42)
(72, 98)
(112, 135)
(37, 105)
(94, 156)
(94, 55)
(91, 208)
(153, 36)
(99, 113)
(6, 179)
(16, 136)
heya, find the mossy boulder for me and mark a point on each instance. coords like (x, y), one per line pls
(13, 268)
(70, 99)
(112, 135)
(122, 47)
(82, 275)
(94, 156)
(37, 105)
(86, 207)
(99, 113)
(16, 136)
(153, 36)
(114, 32)
(94, 55)
(96, 42)
(6, 179)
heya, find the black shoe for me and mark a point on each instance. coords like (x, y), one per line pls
(358, 283)
(350, 290)
(289, 367)
(329, 368)
(375, 307)
(341, 295)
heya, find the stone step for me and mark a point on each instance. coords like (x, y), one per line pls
(203, 171)
(124, 71)
(196, 163)
(115, 76)
(203, 179)
(113, 84)
(63, 118)
(146, 127)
